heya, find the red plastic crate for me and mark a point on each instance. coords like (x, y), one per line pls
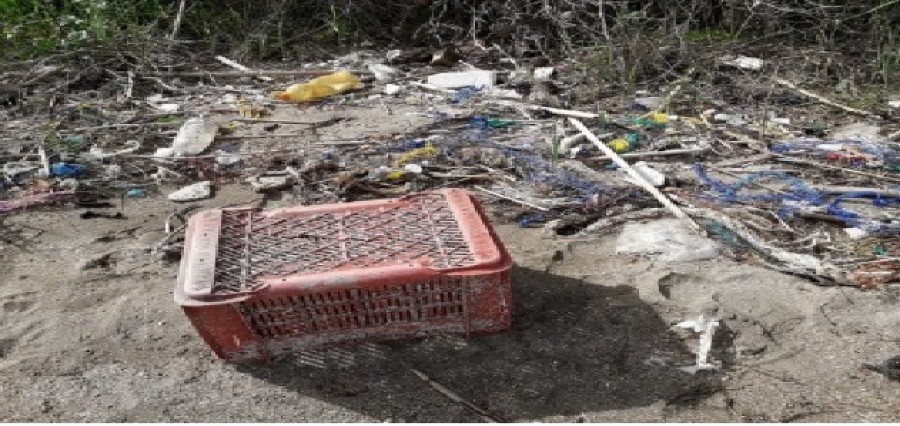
(256, 284)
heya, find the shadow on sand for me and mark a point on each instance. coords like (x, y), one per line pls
(575, 347)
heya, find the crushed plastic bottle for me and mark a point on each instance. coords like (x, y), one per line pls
(321, 87)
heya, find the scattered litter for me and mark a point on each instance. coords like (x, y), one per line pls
(503, 130)
(456, 80)
(193, 192)
(666, 240)
(743, 62)
(382, 72)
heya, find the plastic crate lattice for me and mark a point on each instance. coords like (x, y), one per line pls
(257, 283)
(251, 244)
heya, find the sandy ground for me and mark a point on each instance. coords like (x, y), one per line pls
(591, 340)
(89, 331)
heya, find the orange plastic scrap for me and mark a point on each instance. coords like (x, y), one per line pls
(321, 87)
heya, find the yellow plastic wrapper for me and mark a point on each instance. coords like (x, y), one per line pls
(321, 87)
(619, 145)
(395, 175)
(659, 118)
(427, 151)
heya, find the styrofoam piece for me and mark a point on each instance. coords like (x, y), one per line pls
(455, 80)
(196, 191)
(382, 72)
(650, 174)
(745, 62)
(413, 168)
(856, 233)
(543, 73)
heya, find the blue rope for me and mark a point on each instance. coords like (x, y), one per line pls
(802, 194)
(731, 193)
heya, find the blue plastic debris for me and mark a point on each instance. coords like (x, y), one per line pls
(800, 195)
(136, 193)
(529, 221)
(465, 94)
(67, 170)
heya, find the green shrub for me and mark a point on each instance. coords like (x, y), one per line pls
(32, 28)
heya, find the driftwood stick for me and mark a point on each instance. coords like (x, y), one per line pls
(830, 167)
(852, 189)
(796, 262)
(7, 206)
(820, 98)
(239, 67)
(310, 73)
(646, 154)
(126, 126)
(177, 24)
(635, 175)
(263, 120)
(515, 200)
(678, 85)
(443, 390)
(607, 223)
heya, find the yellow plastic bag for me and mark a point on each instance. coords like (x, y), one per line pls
(321, 87)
